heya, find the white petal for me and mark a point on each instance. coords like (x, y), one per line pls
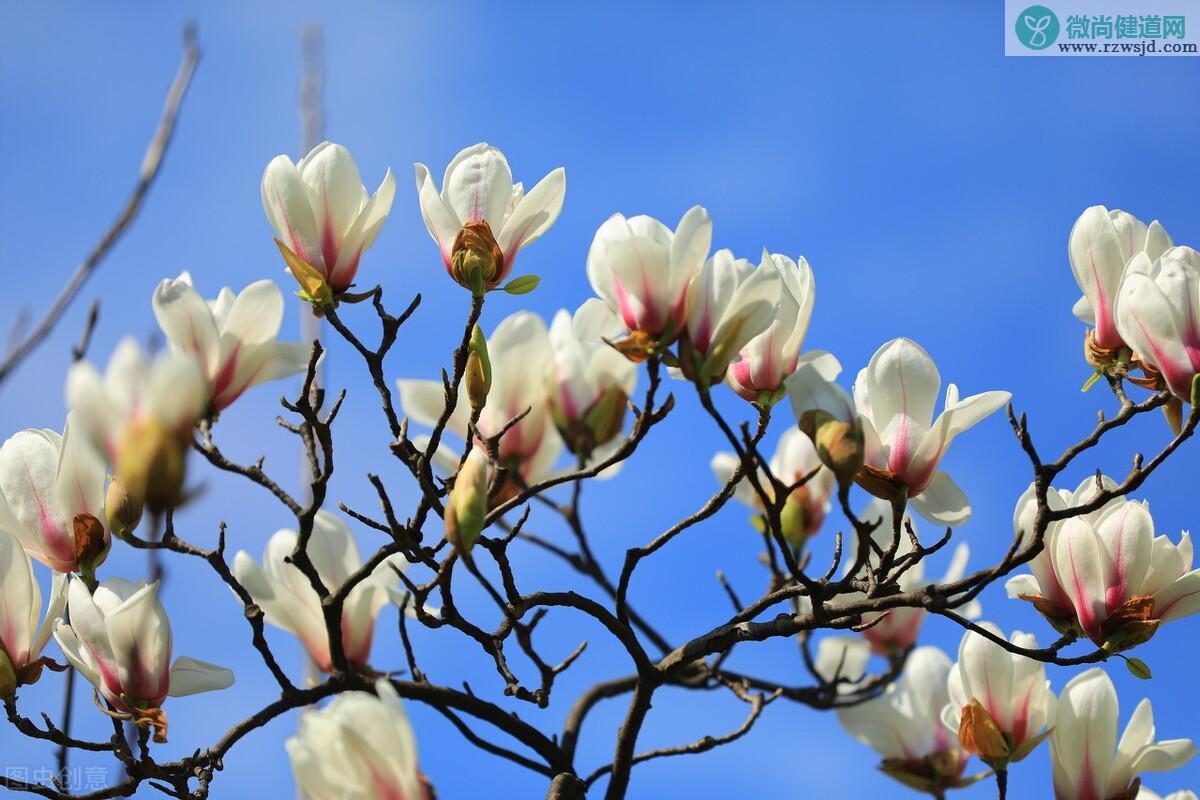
(478, 185)
(191, 676)
(286, 200)
(533, 215)
(186, 320)
(441, 222)
(942, 502)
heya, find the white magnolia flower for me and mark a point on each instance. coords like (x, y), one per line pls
(588, 383)
(22, 639)
(895, 395)
(773, 355)
(519, 349)
(729, 302)
(1084, 739)
(136, 392)
(51, 491)
(290, 602)
(359, 747)
(481, 218)
(119, 638)
(795, 458)
(320, 210)
(1158, 314)
(232, 337)
(898, 628)
(642, 270)
(1043, 583)
(141, 414)
(1146, 794)
(1103, 562)
(842, 660)
(1011, 688)
(1101, 244)
(904, 725)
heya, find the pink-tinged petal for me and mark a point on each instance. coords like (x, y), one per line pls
(1127, 533)
(1084, 736)
(140, 634)
(1098, 261)
(20, 601)
(283, 608)
(956, 418)
(1083, 567)
(533, 215)
(259, 364)
(440, 220)
(337, 193)
(900, 387)
(287, 201)
(176, 391)
(79, 484)
(29, 470)
(363, 233)
(1153, 328)
(87, 624)
(186, 320)
(1179, 599)
(689, 248)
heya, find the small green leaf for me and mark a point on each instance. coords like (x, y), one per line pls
(522, 285)
(1091, 381)
(1195, 398)
(1138, 668)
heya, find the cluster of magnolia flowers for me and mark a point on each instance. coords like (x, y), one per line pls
(531, 391)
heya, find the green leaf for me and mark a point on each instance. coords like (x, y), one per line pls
(522, 285)
(1138, 668)
(1091, 381)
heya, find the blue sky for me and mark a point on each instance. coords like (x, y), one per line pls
(930, 181)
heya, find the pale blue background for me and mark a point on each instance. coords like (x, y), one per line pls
(930, 181)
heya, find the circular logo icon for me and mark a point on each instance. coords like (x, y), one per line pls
(1037, 27)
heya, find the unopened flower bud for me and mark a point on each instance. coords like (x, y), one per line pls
(92, 542)
(794, 519)
(8, 676)
(478, 374)
(123, 512)
(151, 464)
(468, 502)
(476, 261)
(839, 444)
(605, 418)
(979, 734)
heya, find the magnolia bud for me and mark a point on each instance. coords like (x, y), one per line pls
(794, 517)
(476, 261)
(839, 444)
(468, 502)
(151, 464)
(478, 371)
(979, 734)
(606, 416)
(123, 512)
(8, 676)
(91, 542)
